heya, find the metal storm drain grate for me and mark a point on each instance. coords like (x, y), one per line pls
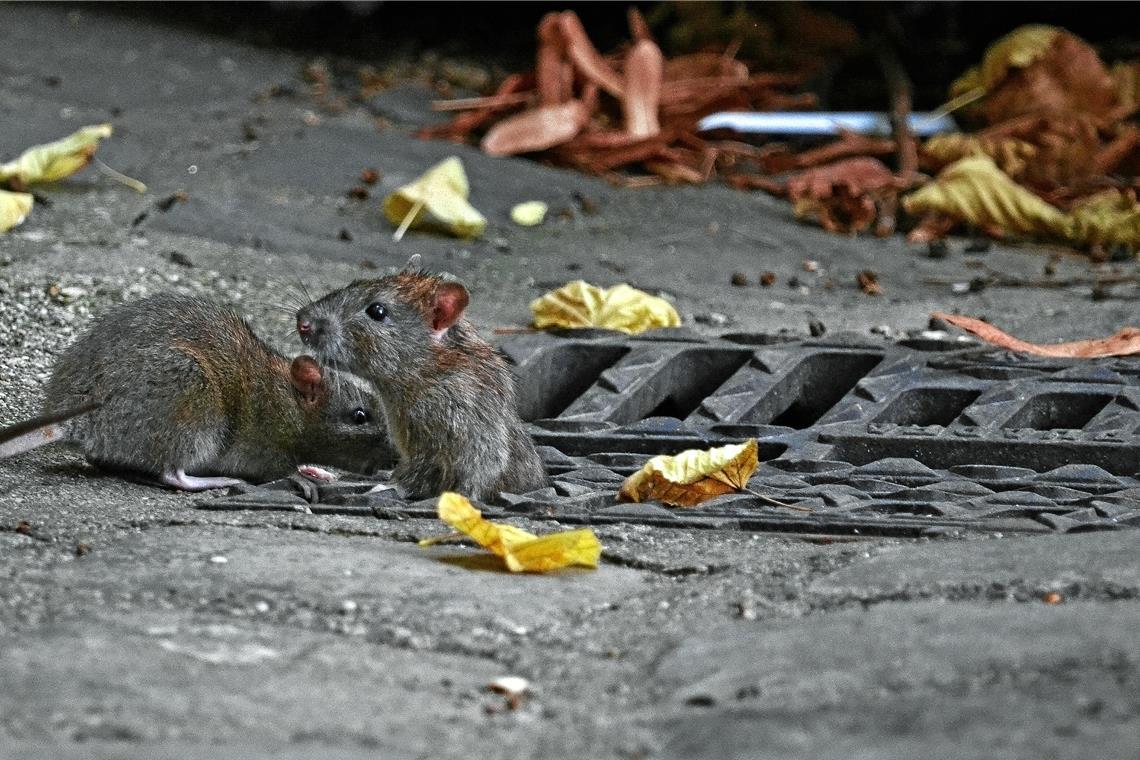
(920, 437)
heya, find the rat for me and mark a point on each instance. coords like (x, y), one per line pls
(448, 396)
(181, 390)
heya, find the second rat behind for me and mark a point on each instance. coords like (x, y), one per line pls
(182, 390)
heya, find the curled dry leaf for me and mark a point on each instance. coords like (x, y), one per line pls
(14, 208)
(537, 129)
(693, 476)
(586, 57)
(844, 196)
(580, 304)
(1107, 218)
(1125, 342)
(644, 67)
(55, 160)
(1041, 151)
(974, 190)
(522, 551)
(437, 199)
(1039, 68)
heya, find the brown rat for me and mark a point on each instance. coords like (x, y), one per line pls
(185, 392)
(448, 396)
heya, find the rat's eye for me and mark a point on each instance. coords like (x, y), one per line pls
(376, 311)
(359, 416)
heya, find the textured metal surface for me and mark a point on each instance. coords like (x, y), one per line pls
(918, 437)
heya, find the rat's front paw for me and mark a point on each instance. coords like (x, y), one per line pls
(390, 491)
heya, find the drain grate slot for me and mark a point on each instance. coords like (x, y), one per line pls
(1058, 411)
(810, 390)
(681, 385)
(928, 406)
(554, 380)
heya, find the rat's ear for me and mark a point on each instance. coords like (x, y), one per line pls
(305, 374)
(448, 303)
(413, 264)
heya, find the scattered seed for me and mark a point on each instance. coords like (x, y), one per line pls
(358, 193)
(370, 176)
(368, 264)
(588, 205)
(868, 282)
(180, 258)
(24, 528)
(1052, 597)
(344, 235)
(767, 279)
(168, 202)
(937, 249)
(82, 550)
(739, 279)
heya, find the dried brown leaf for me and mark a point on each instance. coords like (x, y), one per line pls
(643, 71)
(1124, 342)
(537, 129)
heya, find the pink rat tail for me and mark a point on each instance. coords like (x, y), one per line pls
(39, 431)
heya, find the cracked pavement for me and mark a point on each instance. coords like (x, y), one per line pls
(133, 625)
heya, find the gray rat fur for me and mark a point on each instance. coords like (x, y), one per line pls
(448, 396)
(185, 388)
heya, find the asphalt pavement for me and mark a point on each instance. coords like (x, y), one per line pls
(133, 625)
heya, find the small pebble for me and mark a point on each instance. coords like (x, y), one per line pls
(218, 559)
(937, 249)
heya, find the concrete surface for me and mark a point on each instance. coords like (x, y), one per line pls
(134, 626)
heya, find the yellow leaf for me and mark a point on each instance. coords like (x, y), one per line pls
(580, 304)
(437, 199)
(693, 476)
(1015, 50)
(529, 214)
(1105, 219)
(975, 191)
(522, 551)
(55, 160)
(13, 208)
(1012, 155)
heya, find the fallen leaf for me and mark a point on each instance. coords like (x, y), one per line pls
(1125, 342)
(529, 214)
(436, 199)
(55, 160)
(1044, 152)
(522, 551)
(537, 129)
(1107, 218)
(585, 56)
(644, 67)
(843, 196)
(693, 476)
(14, 208)
(624, 308)
(1036, 69)
(974, 190)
